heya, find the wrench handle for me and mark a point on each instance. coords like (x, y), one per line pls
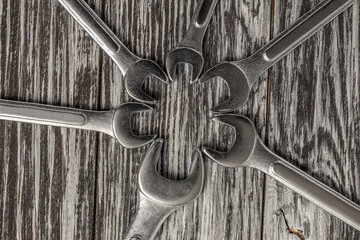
(304, 28)
(307, 186)
(148, 219)
(56, 116)
(100, 32)
(199, 24)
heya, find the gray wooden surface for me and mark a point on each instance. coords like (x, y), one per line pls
(69, 184)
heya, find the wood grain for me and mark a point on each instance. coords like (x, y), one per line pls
(70, 184)
(314, 122)
(47, 174)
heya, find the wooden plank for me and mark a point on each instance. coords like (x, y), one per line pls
(314, 122)
(231, 205)
(47, 174)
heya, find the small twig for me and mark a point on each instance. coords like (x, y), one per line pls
(296, 232)
(286, 222)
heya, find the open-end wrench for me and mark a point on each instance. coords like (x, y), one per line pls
(189, 49)
(159, 197)
(249, 151)
(241, 75)
(116, 123)
(134, 69)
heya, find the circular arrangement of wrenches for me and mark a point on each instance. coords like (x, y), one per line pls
(159, 197)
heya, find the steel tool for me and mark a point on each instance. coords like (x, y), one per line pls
(241, 75)
(159, 197)
(249, 151)
(189, 49)
(134, 69)
(116, 123)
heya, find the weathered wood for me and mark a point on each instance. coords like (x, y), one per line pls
(47, 184)
(66, 184)
(314, 121)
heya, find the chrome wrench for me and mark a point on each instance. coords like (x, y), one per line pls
(249, 151)
(159, 196)
(189, 49)
(241, 75)
(134, 69)
(116, 123)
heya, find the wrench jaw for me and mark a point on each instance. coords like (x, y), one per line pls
(184, 55)
(165, 191)
(237, 82)
(122, 125)
(244, 144)
(159, 197)
(136, 75)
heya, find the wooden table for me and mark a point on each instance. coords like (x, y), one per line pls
(57, 183)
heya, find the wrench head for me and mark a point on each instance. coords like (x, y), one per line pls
(184, 55)
(122, 125)
(136, 75)
(236, 81)
(166, 191)
(244, 144)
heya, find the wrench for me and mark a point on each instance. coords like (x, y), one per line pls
(249, 151)
(134, 69)
(115, 123)
(241, 75)
(189, 49)
(159, 197)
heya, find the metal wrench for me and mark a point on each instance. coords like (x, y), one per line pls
(189, 49)
(159, 197)
(241, 75)
(115, 123)
(249, 151)
(134, 69)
